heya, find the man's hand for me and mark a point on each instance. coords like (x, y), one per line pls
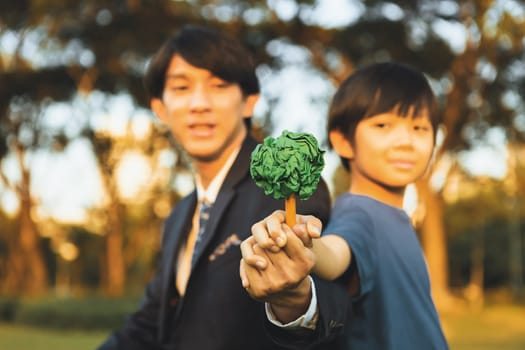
(283, 280)
(271, 233)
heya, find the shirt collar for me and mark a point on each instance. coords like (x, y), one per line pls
(209, 194)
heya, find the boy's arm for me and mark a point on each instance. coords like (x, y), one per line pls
(332, 253)
(332, 256)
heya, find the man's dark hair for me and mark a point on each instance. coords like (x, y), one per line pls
(208, 49)
(380, 88)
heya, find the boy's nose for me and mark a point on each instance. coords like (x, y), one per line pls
(403, 135)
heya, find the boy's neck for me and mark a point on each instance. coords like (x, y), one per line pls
(391, 196)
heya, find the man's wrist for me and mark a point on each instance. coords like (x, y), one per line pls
(295, 304)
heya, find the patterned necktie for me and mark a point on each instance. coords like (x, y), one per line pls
(204, 215)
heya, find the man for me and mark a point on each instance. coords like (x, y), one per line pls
(203, 86)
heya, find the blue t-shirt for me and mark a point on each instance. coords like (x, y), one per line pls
(394, 308)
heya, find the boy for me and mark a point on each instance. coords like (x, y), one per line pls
(382, 123)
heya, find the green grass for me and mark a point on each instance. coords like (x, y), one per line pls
(29, 338)
(494, 327)
(500, 327)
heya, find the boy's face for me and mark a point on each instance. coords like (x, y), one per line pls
(205, 113)
(390, 150)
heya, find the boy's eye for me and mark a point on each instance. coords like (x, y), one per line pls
(421, 128)
(381, 125)
(220, 84)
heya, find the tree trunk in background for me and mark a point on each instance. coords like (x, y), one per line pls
(474, 290)
(26, 270)
(115, 267)
(434, 242)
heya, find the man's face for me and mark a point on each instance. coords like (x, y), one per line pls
(205, 113)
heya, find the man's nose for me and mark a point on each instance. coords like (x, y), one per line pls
(200, 98)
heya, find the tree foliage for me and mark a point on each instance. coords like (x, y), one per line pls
(57, 50)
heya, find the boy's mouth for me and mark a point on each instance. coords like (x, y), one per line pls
(403, 164)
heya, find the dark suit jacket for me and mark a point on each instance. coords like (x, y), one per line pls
(216, 312)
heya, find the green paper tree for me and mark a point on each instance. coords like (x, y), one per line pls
(288, 166)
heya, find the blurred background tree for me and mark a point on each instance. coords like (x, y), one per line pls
(86, 55)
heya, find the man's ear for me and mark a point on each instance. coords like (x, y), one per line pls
(341, 144)
(249, 105)
(157, 106)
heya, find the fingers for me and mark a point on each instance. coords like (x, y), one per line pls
(274, 223)
(285, 272)
(250, 257)
(296, 252)
(269, 233)
(313, 225)
(242, 273)
(302, 233)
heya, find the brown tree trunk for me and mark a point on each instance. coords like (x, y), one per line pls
(115, 267)
(26, 270)
(474, 291)
(433, 240)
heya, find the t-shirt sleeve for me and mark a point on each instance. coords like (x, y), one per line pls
(354, 225)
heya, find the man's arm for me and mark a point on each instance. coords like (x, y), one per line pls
(284, 283)
(140, 330)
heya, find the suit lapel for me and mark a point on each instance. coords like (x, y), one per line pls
(177, 229)
(180, 224)
(223, 199)
(237, 173)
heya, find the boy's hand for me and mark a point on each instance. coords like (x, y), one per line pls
(270, 233)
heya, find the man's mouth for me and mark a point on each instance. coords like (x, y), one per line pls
(202, 130)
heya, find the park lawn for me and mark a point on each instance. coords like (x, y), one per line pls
(30, 338)
(500, 327)
(494, 327)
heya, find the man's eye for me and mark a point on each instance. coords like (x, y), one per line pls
(381, 125)
(178, 87)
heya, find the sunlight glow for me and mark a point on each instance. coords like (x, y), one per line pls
(67, 183)
(333, 13)
(133, 172)
(184, 182)
(452, 32)
(141, 126)
(9, 202)
(285, 9)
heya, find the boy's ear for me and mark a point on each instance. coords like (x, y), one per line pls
(158, 108)
(341, 144)
(249, 105)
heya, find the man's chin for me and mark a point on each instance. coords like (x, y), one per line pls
(203, 157)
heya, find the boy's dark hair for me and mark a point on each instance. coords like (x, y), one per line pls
(204, 48)
(380, 88)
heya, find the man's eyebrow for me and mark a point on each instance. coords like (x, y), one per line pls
(176, 76)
